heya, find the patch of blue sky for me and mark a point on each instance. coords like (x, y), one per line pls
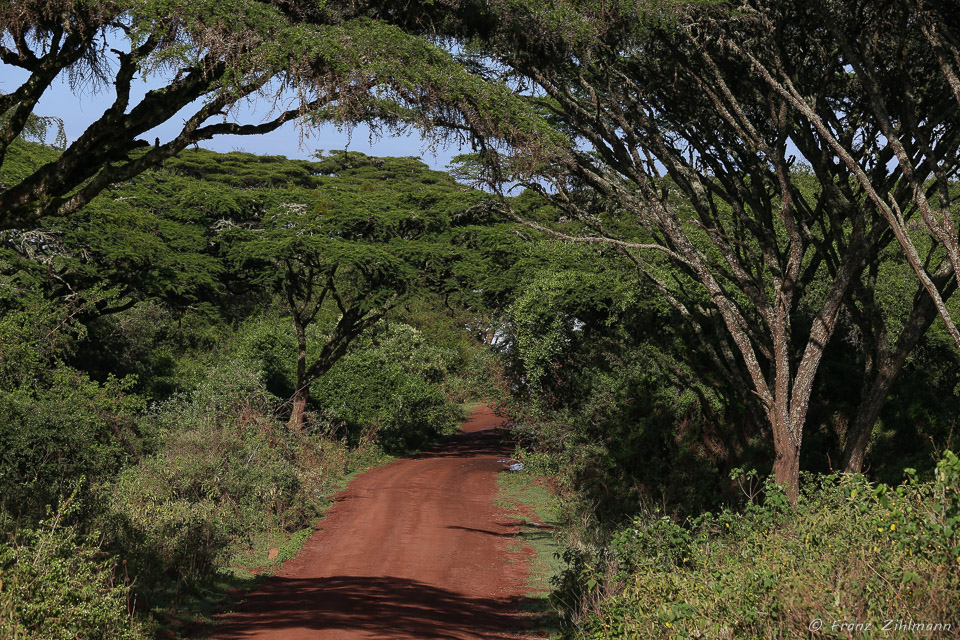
(80, 106)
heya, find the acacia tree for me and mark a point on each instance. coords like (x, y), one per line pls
(347, 251)
(143, 240)
(340, 59)
(753, 163)
(897, 139)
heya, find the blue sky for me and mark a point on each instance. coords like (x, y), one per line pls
(80, 109)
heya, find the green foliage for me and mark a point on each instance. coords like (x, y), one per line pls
(599, 373)
(849, 551)
(388, 388)
(60, 431)
(74, 432)
(58, 585)
(34, 333)
(268, 346)
(375, 223)
(224, 469)
(156, 345)
(346, 62)
(23, 158)
(367, 236)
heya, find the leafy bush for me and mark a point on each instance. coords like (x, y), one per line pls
(54, 437)
(268, 345)
(33, 333)
(851, 551)
(60, 431)
(150, 341)
(56, 585)
(225, 469)
(390, 384)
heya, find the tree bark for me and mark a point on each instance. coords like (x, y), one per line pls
(300, 398)
(786, 463)
(302, 395)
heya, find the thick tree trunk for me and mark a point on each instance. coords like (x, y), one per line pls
(786, 463)
(786, 445)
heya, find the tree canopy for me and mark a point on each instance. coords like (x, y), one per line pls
(340, 61)
(759, 152)
(347, 251)
(755, 149)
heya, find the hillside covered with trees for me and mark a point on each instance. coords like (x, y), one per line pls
(704, 255)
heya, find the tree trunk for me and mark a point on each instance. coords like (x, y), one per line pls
(300, 399)
(889, 366)
(786, 464)
(858, 435)
(302, 395)
(786, 445)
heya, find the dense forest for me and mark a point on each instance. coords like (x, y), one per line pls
(703, 255)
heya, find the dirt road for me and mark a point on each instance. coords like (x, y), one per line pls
(415, 549)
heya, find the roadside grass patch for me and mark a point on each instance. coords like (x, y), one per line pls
(530, 501)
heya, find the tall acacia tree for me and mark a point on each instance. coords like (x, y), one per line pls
(339, 59)
(752, 159)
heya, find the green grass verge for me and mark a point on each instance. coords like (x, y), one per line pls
(533, 504)
(469, 407)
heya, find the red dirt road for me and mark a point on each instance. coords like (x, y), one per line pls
(415, 549)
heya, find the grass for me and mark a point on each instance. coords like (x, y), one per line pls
(469, 407)
(531, 502)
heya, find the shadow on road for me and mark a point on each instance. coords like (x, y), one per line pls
(469, 445)
(384, 606)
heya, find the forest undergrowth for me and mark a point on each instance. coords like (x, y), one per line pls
(853, 558)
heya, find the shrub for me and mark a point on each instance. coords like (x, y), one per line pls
(389, 384)
(851, 551)
(152, 341)
(60, 431)
(224, 470)
(67, 431)
(269, 345)
(57, 585)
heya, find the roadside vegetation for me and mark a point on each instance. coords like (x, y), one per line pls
(148, 464)
(667, 528)
(531, 502)
(849, 553)
(708, 265)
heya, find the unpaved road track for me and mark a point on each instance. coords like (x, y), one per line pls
(415, 549)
